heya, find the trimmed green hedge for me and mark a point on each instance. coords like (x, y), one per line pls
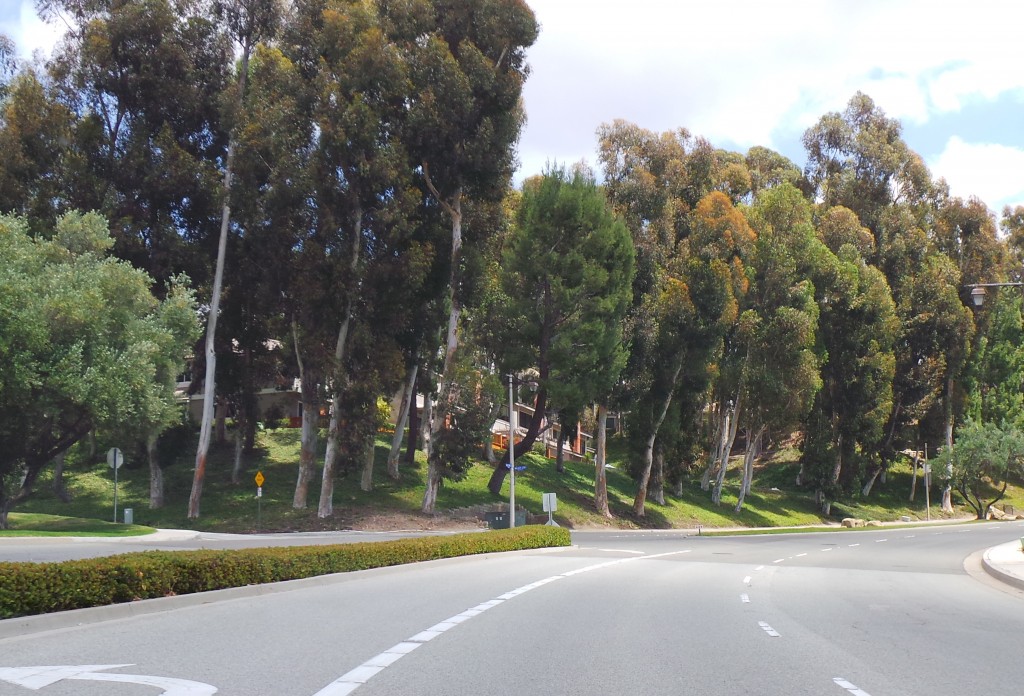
(38, 588)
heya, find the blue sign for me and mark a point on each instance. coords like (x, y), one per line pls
(519, 467)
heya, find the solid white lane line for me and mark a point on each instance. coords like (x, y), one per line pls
(768, 629)
(745, 598)
(839, 681)
(640, 553)
(353, 679)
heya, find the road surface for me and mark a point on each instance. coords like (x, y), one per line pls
(883, 612)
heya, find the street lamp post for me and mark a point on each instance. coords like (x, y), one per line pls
(511, 455)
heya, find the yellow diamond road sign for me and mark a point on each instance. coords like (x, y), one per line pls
(259, 478)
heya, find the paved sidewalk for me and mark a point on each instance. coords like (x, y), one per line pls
(1006, 563)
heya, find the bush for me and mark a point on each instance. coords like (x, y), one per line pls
(39, 588)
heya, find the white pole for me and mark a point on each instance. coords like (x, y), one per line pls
(927, 485)
(511, 456)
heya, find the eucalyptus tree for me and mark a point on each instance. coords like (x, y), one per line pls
(778, 331)
(85, 345)
(857, 328)
(567, 273)
(985, 457)
(149, 163)
(467, 63)
(248, 22)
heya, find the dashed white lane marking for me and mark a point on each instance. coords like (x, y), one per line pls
(800, 554)
(778, 560)
(759, 568)
(768, 629)
(852, 545)
(826, 549)
(353, 679)
(879, 541)
(909, 536)
(839, 681)
(745, 598)
(746, 580)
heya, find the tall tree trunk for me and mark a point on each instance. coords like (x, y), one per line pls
(729, 432)
(560, 451)
(427, 419)
(156, 473)
(308, 439)
(406, 404)
(648, 461)
(947, 490)
(600, 475)
(209, 391)
(366, 480)
(656, 487)
(433, 487)
(713, 457)
(236, 468)
(414, 433)
(340, 378)
(60, 489)
(866, 490)
(753, 450)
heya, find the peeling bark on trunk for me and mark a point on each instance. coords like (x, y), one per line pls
(156, 474)
(407, 403)
(600, 477)
(753, 451)
(59, 488)
(729, 428)
(307, 450)
(366, 480)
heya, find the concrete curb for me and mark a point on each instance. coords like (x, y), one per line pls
(1005, 563)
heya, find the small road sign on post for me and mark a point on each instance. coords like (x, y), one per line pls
(550, 501)
(259, 499)
(115, 459)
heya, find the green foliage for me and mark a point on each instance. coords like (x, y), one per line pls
(84, 345)
(36, 588)
(983, 457)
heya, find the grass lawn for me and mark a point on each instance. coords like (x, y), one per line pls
(774, 501)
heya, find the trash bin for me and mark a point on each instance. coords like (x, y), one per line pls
(129, 516)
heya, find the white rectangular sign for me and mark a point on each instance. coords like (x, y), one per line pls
(550, 502)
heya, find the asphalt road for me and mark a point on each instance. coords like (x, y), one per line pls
(881, 613)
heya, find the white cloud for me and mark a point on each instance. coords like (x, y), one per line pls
(751, 72)
(29, 33)
(994, 173)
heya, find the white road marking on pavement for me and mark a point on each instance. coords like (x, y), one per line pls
(746, 580)
(768, 629)
(879, 541)
(759, 568)
(852, 545)
(849, 687)
(745, 598)
(36, 678)
(778, 560)
(909, 536)
(800, 554)
(641, 553)
(826, 549)
(353, 679)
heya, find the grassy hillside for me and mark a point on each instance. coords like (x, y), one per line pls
(774, 501)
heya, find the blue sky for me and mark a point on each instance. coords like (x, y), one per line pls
(760, 72)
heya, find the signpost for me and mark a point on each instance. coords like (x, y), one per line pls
(259, 499)
(550, 505)
(115, 459)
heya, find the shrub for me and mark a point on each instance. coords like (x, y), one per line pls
(39, 588)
